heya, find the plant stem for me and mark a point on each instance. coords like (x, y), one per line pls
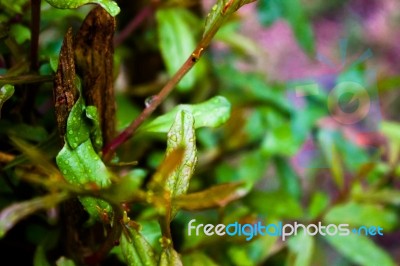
(35, 27)
(220, 14)
(25, 79)
(133, 25)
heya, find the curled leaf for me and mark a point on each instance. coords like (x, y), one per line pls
(95, 133)
(18, 211)
(109, 5)
(78, 128)
(5, 93)
(169, 257)
(182, 135)
(211, 113)
(136, 250)
(216, 196)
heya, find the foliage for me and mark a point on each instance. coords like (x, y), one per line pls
(228, 145)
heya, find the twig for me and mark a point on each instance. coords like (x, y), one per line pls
(25, 79)
(227, 9)
(35, 27)
(133, 25)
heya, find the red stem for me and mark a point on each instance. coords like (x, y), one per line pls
(133, 25)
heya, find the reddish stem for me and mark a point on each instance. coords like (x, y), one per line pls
(133, 25)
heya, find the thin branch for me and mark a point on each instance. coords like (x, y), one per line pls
(35, 27)
(227, 9)
(133, 25)
(25, 79)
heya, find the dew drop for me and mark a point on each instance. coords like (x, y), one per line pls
(149, 100)
(174, 138)
(70, 131)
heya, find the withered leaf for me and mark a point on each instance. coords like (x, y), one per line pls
(216, 196)
(94, 60)
(65, 91)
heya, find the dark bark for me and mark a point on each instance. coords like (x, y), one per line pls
(94, 60)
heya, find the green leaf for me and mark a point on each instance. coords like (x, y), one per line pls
(78, 128)
(216, 196)
(63, 261)
(169, 257)
(20, 32)
(18, 211)
(83, 167)
(220, 11)
(357, 214)
(319, 202)
(136, 249)
(274, 204)
(5, 93)
(39, 259)
(109, 5)
(288, 178)
(177, 42)
(181, 135)
(384, 196)
(329, 147)
(301, 26)
(281, 140)
(360, 250)
(392, 131)
(239, 256)
(302, 248)
(269, 11)
(95, 134)
(211, 113)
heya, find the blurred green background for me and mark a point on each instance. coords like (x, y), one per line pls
(313, 133)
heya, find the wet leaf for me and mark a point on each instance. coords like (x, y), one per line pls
(182, 135)
(169, 257)
(109, 5)
(83, 167)
(136, 249)
(177, 41)
(95, 133)
(221, 10)
(18, 211)
(360, 250)
(5, 93)
(78, 127)
(169, 164)
(211, 113)
(216, 196)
